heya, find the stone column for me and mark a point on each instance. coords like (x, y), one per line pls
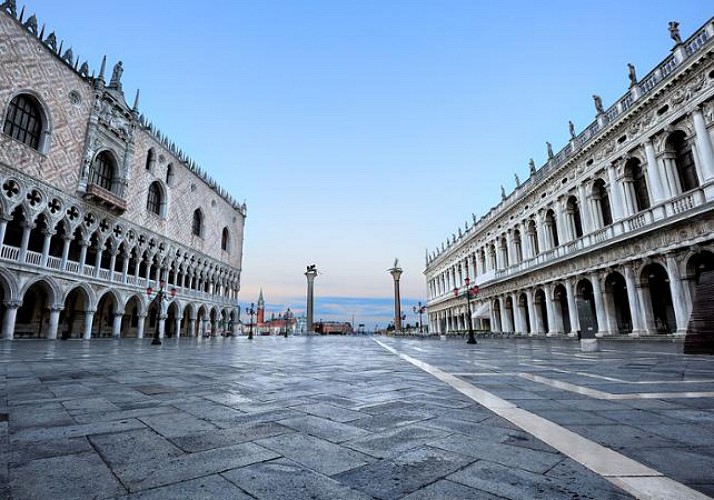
(98, 262)
(635, 310)
(125, 267)
(140, 325)
(584, 207)
(177, 327)
(572, 306)
(670, 171)
(46, 246)
(192, 327)
(66, 241)
(162, 323)
(3, 228)
(53, 323)
(553, 329)
(311, 274)
(655, 183)
(116, 325)
(645, 301)
(26, 228)
(396, 272)
(8, 321)
(561, 223)
(532, 312)
(88, 319)
(681, 308)
(540, 232)
(505, 317)
(617, 206)
(704, 146)
(599, 306)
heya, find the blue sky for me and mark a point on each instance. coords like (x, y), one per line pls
(361, 131)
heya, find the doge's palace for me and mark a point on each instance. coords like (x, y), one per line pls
(107, 228)
(613, 232)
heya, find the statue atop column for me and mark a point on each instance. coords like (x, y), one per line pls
(631, 74)
(674, 32)
(598, 104)
(116, 76)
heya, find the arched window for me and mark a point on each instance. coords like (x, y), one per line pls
(153, 199)
(150, 159)
(225, 239)
(635, 176)
(602, 200)
(170, 175)
(552, 228)
(103, 170)
(573, 212)
(517, 246)
(684, 160)
(503, 248)
(197, 226)
(533, 237)
(24, 121)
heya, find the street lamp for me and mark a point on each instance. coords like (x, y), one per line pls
(468, 292)
(288, 316)
(251, 311)
(419, 310)
(160, 296)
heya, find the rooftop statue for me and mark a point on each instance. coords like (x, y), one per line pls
(116, 75)
(503, 192)
(518, 180)
(9, 6)
(571, 128)
(550, 150)
(631, 74)
(598, 103)
(674, 32)
(531, 166)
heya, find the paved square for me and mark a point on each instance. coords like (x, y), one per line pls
(354, 417)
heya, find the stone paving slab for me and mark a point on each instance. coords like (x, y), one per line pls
(334, 417)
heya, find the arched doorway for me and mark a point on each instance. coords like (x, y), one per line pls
(498, 326)
(72, 317)
(656, 280)
(170, 325)
(618, 303)
(33, 316)
(130, 321)
(585, 300)
(104, 317)
(186, 325)
(204, 329)
(509, 315)
(560, 303)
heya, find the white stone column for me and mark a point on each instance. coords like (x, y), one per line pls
(26, 228)
(530, 303)
(125, 267)
(46, 246)
(88, 319)
(550, 311)
(510, 245)
(8, 321)
(681, 308)
(561, 223)
(657, 187)
(507, 321)
(645, 301)
(572, 306)
(192, 327)
(112, 263)
(704, 146)
(116, 325)
(98, 262)
(674, 188)
(618, 209)
(162, 325)
(517, 315)
(599, 305)
(540, 232)
(53, 323)
(635, 310)
(584, 207)
(3, 228)
(66, 241)
(140, 325)
(177, 327)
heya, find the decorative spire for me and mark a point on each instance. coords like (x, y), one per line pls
(261, 300)
(136, 101)
(102, 69)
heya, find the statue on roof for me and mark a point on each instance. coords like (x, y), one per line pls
(531, 166)
(550, 150)
(598, 104)
(116, 75)
(631, 74)
(517, 179)
(31, 24)
(503, 192)
(51, 41)
(571, 128)
(84, 69)
(9, 6)
(473, 216)
(674, 32)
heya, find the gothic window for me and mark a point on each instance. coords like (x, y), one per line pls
(103, 170)
(635, 174)
(170, 175)
(684, 160)
(153, 200)
(225, 239)
(24, 121)
(150, 159)
(197, 226)
(602, 200)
